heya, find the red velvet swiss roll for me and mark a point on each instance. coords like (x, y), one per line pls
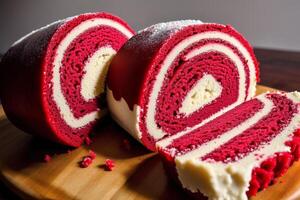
(173, 77)
(52, 80)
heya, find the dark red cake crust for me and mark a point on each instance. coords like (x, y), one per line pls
(20, 84)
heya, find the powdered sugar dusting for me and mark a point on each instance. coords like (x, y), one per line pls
(172, 26)
(156, 32)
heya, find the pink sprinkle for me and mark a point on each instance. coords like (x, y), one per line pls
(86, 161)
(109, 164)
(47, 158)
(92, 154)
(87, 141)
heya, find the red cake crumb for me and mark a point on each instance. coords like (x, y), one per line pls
(47, 158)
(92, 154)
(109, 164)
(126, 144)
(273, 168)
(86, 161)
(87, 141)
(284, 161)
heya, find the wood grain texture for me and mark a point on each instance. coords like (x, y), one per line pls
(138, 173)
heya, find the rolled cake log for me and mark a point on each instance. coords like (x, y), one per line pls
(52, 80)
(239, 153)
(174, 77)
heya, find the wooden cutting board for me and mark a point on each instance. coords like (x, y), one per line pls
(138, 173)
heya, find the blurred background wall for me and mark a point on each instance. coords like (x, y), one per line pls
(271, 24)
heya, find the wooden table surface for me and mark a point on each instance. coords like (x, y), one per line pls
(279, 70)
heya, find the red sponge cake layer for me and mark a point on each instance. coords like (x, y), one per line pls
(239, 153)
(173, 77)
(52, 80)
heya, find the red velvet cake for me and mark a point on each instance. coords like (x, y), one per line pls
(173, 77)
(239, 153)
(52, 80)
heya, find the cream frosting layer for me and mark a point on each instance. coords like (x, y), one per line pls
(128, 119)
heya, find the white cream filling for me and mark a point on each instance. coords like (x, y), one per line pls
(230, 181)
(158, 133)
(95, 69)
(294, 96)
(58, 96)
(126, 118)
(203, 92)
